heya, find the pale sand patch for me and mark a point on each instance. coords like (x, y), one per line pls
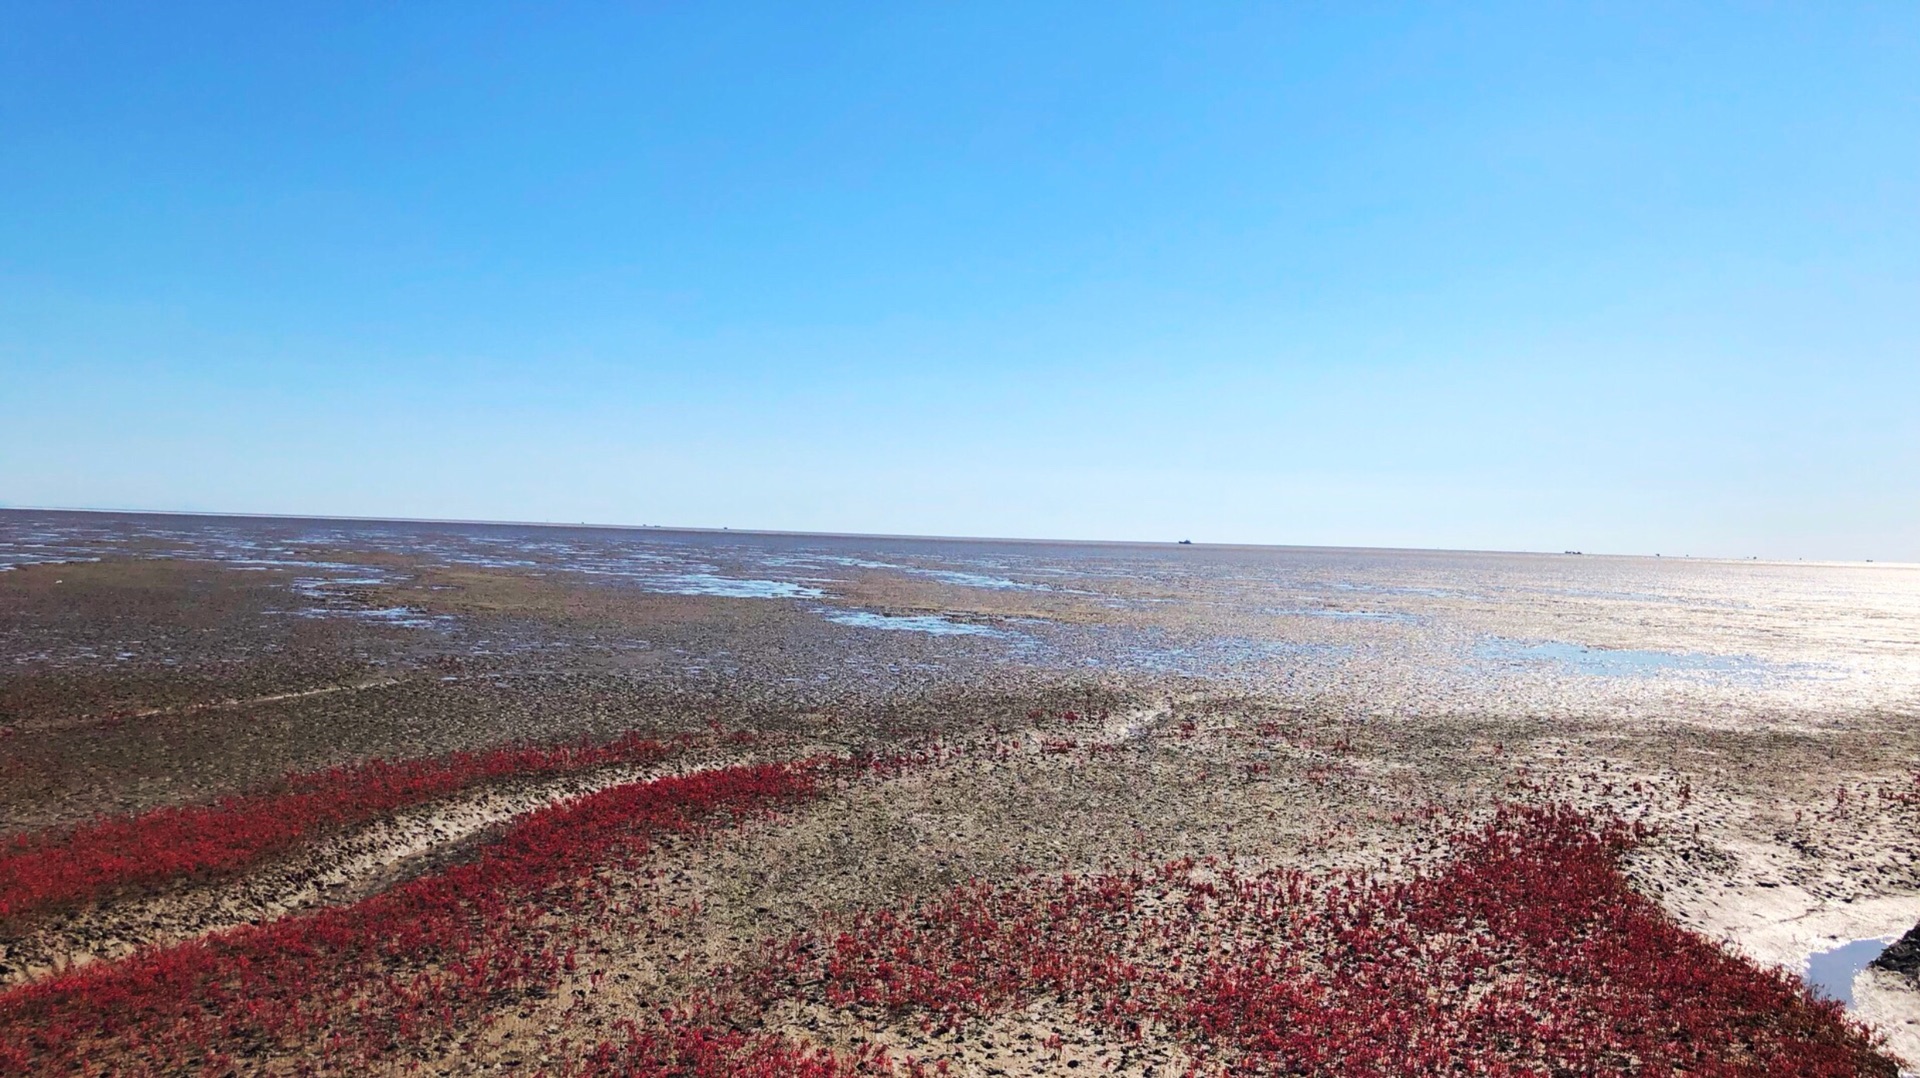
(1891, 1004)
(1041, 1038)
(1784, 924)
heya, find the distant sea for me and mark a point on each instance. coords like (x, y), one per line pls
(1377, 632)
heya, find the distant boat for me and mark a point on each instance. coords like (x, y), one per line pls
(1186, 542)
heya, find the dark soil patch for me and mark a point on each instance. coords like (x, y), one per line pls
(1903, 957)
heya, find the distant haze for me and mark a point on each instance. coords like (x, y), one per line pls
(1615, 279)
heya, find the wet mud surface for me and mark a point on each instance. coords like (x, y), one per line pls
(1299, 708)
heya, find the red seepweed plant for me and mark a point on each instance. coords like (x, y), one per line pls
(65, 866)
(354, 984)
(1526, 953)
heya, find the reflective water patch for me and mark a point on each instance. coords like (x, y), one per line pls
(1614, 662)
(1831, 973)
(913, 623)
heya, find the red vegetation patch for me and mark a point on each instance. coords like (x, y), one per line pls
(353, 984)
(1526, 954)
(1908, 796)
(51, 869)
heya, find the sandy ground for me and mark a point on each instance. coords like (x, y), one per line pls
(1009, 805)
(1780, 835)
(1891, 1004)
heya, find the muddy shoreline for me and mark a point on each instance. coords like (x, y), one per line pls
(140, 681)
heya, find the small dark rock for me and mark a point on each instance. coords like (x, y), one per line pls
(1903, 956)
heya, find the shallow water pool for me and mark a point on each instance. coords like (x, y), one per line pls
(1614, 662)
(1831, 973)
(918, 623)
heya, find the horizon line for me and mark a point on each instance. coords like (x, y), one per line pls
(726, 530)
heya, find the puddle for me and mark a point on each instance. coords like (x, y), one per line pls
(1831, 973)
(391, 615)
(977, 580)
(1614, 662)
(731, 588)
(914, 623)
(945, 576)
(398, 615)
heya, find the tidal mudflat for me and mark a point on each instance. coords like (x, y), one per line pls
(289, 796)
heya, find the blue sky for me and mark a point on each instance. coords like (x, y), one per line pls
(1608, 277)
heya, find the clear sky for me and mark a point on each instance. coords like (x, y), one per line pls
(1610, 277)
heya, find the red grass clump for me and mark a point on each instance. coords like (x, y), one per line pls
(1909, 796)
(353, 984)
(52, 869)
(1527, 953)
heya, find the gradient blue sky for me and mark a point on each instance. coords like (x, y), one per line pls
(1610, 277)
